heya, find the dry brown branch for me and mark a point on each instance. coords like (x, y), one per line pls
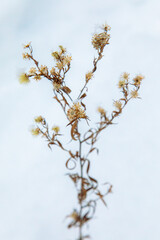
(87, 187)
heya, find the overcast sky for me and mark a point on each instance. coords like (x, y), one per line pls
(35, 194)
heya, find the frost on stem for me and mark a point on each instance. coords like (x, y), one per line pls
(75, 111)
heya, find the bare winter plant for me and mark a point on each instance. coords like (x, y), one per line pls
(87, 187)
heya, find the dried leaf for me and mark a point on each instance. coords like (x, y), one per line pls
(88, 167)
(83, 105)
(93, 180)
(55, 97)
(101, 197)
(123, 99)
(60, 144)
(73, 130)
(92, 149)
(49, 146)
(74, 177)
(64, 99)
(70, 168)
(83, 95)
(71, 122)
(71, 154)
(66, 89)
(110, 189)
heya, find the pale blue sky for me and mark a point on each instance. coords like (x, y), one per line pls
(35, 195)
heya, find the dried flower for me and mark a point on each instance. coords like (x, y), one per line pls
(57, 85)
(118, 105)
(27, 45)
(59, 65)
(23, 78)
(100, 40)
(35, 131)
(137, 80)
(55, 55)
(89, 75)
(125, 76)
(121, 83)
(134, 94)
(56, 129)
(63, 50)
(37, 77)
(39, 119)
(67, 60)
(32, 70)
(53, 71)
(44, 69)
(101, 110)
(106, 27)
(76, 112)
(74, 215)
(25, 56)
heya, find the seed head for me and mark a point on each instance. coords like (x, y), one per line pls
(56, 129)
(125, 76)
(55, 55)
(44, 69)
(63, 50)
(137, 80)
(57, 86)
(121, 83)
(25, 56)
(76, 112)
(134, 94)
(89, 75)
(35, 131)
(118, 105)
(53, 71)
(37, 77)
(32, 70)
(67, 60)
(39, 119)
(23, 78)
(101, 110)
(100, 40)
(27, 45)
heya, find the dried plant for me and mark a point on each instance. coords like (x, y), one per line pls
(78, 162)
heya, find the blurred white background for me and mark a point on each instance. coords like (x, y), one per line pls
(35, 194)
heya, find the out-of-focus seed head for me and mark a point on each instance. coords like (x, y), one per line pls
(37, 77)
(27, 45)
(35, 131)
(56, 129)
(101, 110)
(23, 78)
(118, 105)
(32, 70)
(39, 119)
(134, 94)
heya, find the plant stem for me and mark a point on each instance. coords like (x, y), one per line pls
(81, 196)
